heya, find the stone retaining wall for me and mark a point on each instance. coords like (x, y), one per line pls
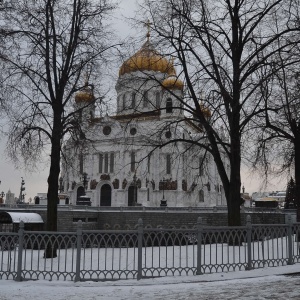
(67, 220)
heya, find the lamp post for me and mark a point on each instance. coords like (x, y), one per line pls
(84, 199)
(61, 187)
(85, 181)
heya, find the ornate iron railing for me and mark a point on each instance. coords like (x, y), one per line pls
(146, 252)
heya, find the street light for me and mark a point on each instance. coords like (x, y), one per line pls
(61, 187)
(84, 199)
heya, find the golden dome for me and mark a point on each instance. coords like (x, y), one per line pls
(86, 95)
(147, 59)
(173, 82)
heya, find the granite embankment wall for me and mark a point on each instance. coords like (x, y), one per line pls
(93, 220)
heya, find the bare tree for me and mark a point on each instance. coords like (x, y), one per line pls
(221, 47)
(279, 138)
(50, 46)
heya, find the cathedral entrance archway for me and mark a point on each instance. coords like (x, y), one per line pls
(80, 192)
(105, 195)
(132, 195)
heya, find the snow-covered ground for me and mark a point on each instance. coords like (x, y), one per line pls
(266, 283)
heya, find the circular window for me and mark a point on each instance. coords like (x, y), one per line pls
(133, 131)
(106, 130)
(168, 134)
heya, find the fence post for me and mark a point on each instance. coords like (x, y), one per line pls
(20, 251)
(290, 240)
(199, 244)
(140, 248)
(78, 256)
(249, 250)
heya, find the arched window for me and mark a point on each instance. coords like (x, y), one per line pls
(111, 162)
(132, 161)
(169, 106)
(149, 163)
(201, 196)
(118, 103)
(157, 99)
(201, 165)
(133, 96)
(124, 101)
(168, 163)
(106, 162)
(145, 99)
(81, 159)
(100, 163)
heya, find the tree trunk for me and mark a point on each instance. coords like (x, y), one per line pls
(52, 195)
(234, 197)
(297, 174)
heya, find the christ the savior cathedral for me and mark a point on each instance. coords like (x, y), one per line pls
(123, 165)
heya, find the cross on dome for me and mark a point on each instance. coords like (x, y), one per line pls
(148, 25)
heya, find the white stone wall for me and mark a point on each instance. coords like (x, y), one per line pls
(149, 129)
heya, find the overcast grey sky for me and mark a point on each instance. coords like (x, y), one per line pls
(37, 182)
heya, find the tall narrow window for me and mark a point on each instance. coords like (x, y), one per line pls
(118, 103)
(124, 101)
(169, 106)
(168, 163)
(157, 99)
(106, 163)
(100, 163)
(111, 163)
(148, 163)
(201, 196)
(132, 161)
(133, 96)
(145, 99)
(81, 163)
(201, 165)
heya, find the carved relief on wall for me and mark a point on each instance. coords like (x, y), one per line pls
(104, 177)
(73, 185)
(138, 183)
(124, 183)
(168, 185)
(153, 184)
(93, 184)
(116, 184)
(184, 185)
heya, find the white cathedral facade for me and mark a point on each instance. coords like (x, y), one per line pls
(123, 165)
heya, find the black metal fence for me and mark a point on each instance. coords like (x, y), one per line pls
(146, 252)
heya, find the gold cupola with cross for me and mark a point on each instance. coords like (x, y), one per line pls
(147, 59)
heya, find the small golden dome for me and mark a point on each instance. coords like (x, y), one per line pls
(173, 82)
(147, 59)
(86, 95)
